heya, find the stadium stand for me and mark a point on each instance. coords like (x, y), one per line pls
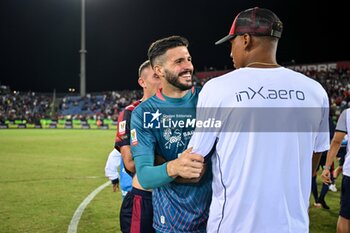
(335, 78)
(100, 110)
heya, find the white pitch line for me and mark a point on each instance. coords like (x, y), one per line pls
(72, 228)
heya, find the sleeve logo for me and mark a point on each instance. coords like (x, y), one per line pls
(133, 137)
(121, 127)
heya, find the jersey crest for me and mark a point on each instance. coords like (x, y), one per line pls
(173, 138)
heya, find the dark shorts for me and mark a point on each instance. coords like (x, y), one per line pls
(345, 198)
(136, 212)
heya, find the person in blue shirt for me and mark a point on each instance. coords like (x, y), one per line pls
(114, 162)
(163, 125)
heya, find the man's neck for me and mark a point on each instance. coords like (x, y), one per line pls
(174, 92)
(146, 96)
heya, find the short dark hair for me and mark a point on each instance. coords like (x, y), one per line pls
(159, 47)
(143, 66)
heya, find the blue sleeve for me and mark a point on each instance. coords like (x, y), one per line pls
(142, 148)
(151, 176)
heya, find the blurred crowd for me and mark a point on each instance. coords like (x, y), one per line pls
(99, 106)
(32, 107)
(337, 84)
(29, 106)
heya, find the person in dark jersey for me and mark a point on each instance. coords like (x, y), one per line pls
(136, 212)
(163, 125)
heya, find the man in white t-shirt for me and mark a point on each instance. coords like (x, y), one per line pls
(263, 123)
(341, 130)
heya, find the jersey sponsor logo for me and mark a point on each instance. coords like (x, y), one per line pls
(151, 120)
(188, 134)
(133, 137)
(121, 127)
(269, 94)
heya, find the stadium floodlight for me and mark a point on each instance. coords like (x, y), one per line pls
(82, 52)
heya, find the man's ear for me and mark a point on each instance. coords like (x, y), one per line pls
(158, 70)
(142, 82)
(247, 41)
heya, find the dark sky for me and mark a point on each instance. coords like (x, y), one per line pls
(40, 39)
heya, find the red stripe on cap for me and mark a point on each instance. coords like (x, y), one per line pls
(159, 94)
(233, 27)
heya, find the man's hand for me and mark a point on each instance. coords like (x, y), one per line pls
(187, 165)
(326, 176)
(182, 180)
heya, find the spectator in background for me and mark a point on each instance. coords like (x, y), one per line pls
(31, 106)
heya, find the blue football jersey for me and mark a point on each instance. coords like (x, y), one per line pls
(163, 126)
(125, 178)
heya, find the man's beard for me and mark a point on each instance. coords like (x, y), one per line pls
(175, 80)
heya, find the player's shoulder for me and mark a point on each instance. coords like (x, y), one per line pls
(215, 84)
(311, 83)
(125, 114)
(345, 112)
(219, 80)
(146, 104)
(132, 106)
(302, 77)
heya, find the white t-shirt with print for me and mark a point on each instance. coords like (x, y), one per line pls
(272, 120)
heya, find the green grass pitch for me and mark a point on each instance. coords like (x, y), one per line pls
(46, 173)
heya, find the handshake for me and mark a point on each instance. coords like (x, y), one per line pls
(188, 168)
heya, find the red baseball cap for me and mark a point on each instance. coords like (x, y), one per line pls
(255, 21)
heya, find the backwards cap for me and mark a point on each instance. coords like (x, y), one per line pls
(255, 21)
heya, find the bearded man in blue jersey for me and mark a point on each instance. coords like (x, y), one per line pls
(163, 125)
